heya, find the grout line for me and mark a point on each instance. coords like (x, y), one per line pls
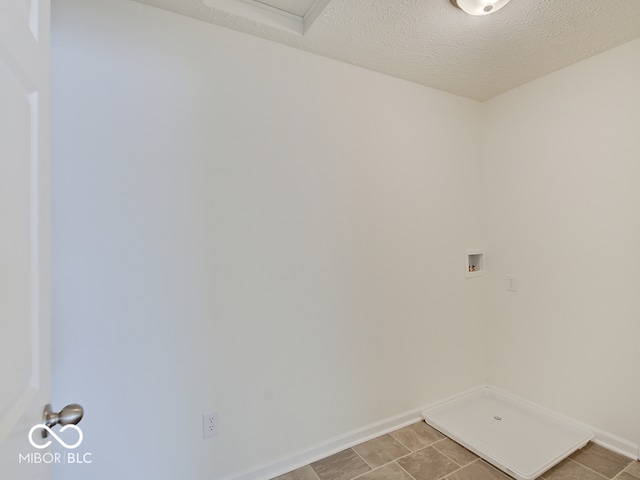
(365, 473)
(456, 471)
(314, 472)
(312, 469)
(389, 462)
(381, 466)
(408, 454)
(625, 471)
(432, 445)
(411, 476)
(590, 469)
(363, 459)
(395, 460)
(397, 440)
(447, 456)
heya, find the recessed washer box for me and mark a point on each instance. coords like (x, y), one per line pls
(520, 438)
(475, 265)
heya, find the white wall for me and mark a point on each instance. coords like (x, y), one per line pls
(242, 226)
(562, 171)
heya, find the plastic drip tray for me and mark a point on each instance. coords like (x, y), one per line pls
(517, 437)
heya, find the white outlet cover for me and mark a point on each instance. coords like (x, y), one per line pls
(210, 424)
(512, 283)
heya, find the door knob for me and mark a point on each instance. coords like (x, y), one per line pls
(71, 414)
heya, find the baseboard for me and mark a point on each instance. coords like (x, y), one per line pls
(337, 444)
(615, 443)
(376, 429)
(330, 447)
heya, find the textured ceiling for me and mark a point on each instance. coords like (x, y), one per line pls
(432, 43)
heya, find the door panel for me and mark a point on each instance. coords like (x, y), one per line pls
(24, 230)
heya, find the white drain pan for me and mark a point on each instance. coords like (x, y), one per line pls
(517, 437)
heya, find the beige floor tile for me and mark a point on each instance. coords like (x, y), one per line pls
(381, 450)
(435, 457)
(626, 476)
(417, 436)
(427, 464)
(601, 460)
(455, 452)
(634, 469)
(478, 470)
(391, 471)
(341, 466)
(304, 473)
(570, 470)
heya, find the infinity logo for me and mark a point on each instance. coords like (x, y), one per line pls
(53, 434)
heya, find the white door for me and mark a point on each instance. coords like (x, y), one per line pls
(24, 232)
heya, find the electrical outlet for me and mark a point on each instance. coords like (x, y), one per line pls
(512, 283)
(210, 424)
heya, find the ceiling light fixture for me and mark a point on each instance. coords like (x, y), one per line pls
(479, 7)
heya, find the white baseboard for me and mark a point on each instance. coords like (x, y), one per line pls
(615, 443)
(376, 429)
(330, 447)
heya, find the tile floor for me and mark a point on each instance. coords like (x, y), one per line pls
(419, 452)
